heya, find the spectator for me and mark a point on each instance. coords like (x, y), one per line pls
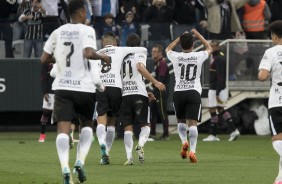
(128, 27)
(256, 15)
(223, 18)
(275, 9)
(109, 25)
(34, 33)
(185, 16)
(159, 16)
(51, 21)
(102, 8)
(126, 6)
(8, 10)
(19, 27)
(158, 106)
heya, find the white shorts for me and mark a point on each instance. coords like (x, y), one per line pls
(50, 104)
(223, 95)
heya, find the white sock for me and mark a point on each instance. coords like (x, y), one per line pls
(62, 144)
(182, 132)
(193, 137)
(277, 145)
(144, 135)
(101, 134)
(128, 143)
(84, 144)
(110, 136)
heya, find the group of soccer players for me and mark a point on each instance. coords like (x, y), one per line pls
(113, 77)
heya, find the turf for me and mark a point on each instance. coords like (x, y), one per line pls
(249, 160)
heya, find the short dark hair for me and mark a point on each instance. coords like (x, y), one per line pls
(133, 40)
(276, 28)
(74, 6)
(186, 41)
(159, 46)
(216, 42)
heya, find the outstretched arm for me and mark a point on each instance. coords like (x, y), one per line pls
(145, 73)
(90, 53)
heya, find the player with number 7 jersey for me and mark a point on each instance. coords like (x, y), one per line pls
(187, 66)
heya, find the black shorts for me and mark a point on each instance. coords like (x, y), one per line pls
(71, 104)
(109, 101)
(275, 120)
(134, 108)
(187, 105)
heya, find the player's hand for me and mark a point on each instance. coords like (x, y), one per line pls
(219, 101)
(106, 59)
(160, 86)
(46, 97)
(196, 33)
(204, 24)
(151, 96)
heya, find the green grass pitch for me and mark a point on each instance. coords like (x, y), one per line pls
(249, 160)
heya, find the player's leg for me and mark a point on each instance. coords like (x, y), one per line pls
(193, 137)
(63, 114)
(114, 99)
(142, 114)
(179, 108)
(214, 116)
(84, 108)
(127, 119)
(128, 143)
(102, 109)
(193, 115)
(275, 121)
(110, 133)
(223, 95)
(46, 114)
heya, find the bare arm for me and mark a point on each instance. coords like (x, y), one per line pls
(47, 58)
(172, 45)
(145, 73)
(90, 53)
(263, 75)
(203, 40)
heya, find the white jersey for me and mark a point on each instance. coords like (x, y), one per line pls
(110, 75)
(272, 61)
(132, 80)
(66, 44)
(187, 69)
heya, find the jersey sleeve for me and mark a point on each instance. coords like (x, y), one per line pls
(89, 38)
(140, 58)
(265, 62)
(203, 55)
(50, 44)
(172, 55)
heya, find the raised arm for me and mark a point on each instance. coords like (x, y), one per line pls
(203, 40)
(90, 53)
(172, 45)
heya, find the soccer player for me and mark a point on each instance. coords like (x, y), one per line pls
(271, 65)
(135, 101)
(48, 99)
(218, 94)
(71, 45)
(109, 101)
(187, 67)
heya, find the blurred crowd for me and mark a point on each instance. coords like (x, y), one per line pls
(34, 20)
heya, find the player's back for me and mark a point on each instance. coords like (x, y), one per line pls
(187, 69)
(110, 75)
(132, 80)
(73, 69)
